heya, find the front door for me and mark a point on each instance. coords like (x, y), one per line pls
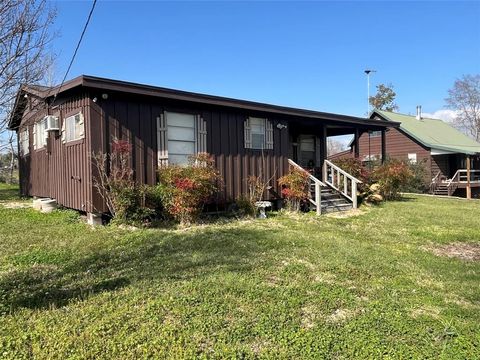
(306, 151)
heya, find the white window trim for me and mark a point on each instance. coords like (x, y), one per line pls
(39, 129)
(25, 142)
(65, 128)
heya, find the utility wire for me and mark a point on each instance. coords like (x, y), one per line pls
(76, 49)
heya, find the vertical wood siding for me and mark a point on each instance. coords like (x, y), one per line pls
(60, 171)
(221, 135)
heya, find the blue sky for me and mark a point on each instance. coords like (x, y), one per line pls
(301, 54)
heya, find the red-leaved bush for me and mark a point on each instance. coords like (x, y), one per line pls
(391, 176)
(295, 188)
(186, 189)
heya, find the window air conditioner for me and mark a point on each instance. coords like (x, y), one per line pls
(51, 123)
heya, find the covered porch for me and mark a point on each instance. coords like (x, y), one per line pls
(308, 142)
(332, 188)
(455, 174)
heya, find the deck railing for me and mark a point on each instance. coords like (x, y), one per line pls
(315, 184)
(461, 177)
(435, 182)
(341, 181)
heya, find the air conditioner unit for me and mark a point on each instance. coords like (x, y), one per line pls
(52, 123)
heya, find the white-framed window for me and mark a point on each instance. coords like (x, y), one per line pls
(257, 129)
(40, 134)
(24, 142)
(412, 158)
(181, 137)
(258, 133)
(74, 127)
(375, 133)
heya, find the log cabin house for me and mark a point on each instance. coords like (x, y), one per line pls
(452, 159)
(59, 128)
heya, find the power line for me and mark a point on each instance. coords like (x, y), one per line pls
(76, 49)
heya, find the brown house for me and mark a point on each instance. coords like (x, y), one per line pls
(59, 128)
(447, 153)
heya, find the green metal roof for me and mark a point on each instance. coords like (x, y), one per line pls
(433, 133)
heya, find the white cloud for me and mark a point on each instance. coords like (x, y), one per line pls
(445, 115)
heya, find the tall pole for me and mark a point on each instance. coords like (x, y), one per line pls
(368, 71)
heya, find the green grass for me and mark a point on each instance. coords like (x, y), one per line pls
(286, 287)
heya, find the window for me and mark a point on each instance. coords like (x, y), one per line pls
(24, 142)
(258, 133)
(307, 151)
(412, 158)
(181, 137)
(74, 127)
(257, 128)
(375, 133)
(40, 134)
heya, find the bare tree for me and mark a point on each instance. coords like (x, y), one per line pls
(335, 146)
(464, 97)
(25, 35)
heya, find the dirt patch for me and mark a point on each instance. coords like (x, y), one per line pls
(463, 251)
(347, 214)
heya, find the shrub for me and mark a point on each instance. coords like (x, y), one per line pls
(245, 206)
(391, 176)
(125, 199)
(295, 188)
(184, 190)
(419, 182)
(355, 168)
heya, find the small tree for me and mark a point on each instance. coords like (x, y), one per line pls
(384, 99)
(464, 97)
(124, 198)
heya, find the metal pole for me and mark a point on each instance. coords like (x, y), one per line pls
(368, 71)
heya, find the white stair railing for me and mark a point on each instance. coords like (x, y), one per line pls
(317, 185)
(341, 181)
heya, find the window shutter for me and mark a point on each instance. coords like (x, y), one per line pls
(63, 131)
(162, 141)
(247, 134)
(201, 134)
(35, 136)
(268, 134)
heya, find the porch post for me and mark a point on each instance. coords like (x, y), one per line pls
(323, 144)
(384, 147)
(469, 189)
(355, 143)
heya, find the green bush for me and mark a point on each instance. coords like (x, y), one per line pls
(129, 201)
(418, 183)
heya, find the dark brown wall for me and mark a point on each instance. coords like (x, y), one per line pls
(60, 171)
(134, 119)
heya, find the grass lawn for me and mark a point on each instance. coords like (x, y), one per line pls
(286, 287)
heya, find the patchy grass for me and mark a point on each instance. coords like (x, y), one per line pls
(287, 287)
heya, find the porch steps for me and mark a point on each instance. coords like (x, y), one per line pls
(332, 201)
(441, 189)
